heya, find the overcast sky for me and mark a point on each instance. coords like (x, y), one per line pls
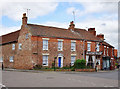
(101, 15)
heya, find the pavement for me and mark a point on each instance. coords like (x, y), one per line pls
(34, 78)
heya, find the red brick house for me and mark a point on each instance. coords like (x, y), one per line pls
(39, 45)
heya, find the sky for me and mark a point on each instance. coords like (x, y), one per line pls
(101, 14)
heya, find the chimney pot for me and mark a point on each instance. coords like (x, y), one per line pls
(24, 14)
(92, 30)
(24, 19)
(72, 25)
(101, 36)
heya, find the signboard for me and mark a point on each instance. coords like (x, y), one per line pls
(94, 53)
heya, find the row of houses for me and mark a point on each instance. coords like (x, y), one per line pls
(41, 45)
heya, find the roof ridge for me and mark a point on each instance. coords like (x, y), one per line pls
(48, 26)
(10, 33)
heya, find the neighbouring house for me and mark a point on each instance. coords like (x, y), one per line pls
(40, 45)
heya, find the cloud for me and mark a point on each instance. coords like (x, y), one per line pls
(5, 30)
(14, 10)
(105, 27)
(94, 7)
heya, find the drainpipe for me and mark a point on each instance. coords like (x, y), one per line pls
(37, 49)
(83, 49)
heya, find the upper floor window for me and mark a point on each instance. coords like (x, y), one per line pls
(73, 46)
(97, 47)
(112, 51)
(45, 44)
(11, 59)
(72, 60)
(88, 46)
(27, 36)
(13, 46)
(20, 46)
(45, 60)
(60, 45)
(1, 59)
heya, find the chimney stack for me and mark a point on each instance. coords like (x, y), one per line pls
(24, 19)
(92, 30)
(72, 25)
(101, 36)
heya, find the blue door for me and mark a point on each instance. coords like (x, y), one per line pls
(59, 62)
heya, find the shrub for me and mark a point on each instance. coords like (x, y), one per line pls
(80, 64)
(37, 67)
(116, 64)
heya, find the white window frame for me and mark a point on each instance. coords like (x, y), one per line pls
(43, 60)
(13, 46)
(73, 58)
(45, 45)
(1, 59)
(27, 36)
(89, 47)
(11, 59)
(73, 46)
(20, 46)
(60, 45)
(97, 47)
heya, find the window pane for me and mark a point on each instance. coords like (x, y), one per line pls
(97, 47)
(11, 59)
(73, 46)
(45, 60)
(1, 59)
(27, 36)
(20, 46)
(13, 46)
(88, 46)
(72, 60)
(60, 44)
(45, 44)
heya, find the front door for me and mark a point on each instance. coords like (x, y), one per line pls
(59, 62)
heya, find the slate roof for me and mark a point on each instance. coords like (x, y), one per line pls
(107, 44)
(49, 31)
(10, 37)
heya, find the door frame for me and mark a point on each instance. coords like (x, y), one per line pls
(61, 61)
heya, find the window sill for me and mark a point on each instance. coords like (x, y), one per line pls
(73, 50)
(45, 49)
(89, 50)
(44, 65)
(60, 50)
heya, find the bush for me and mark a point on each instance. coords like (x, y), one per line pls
(116, 64)
(37, 67)
(80, 64)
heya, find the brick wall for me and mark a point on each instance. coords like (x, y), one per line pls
(37, 45)
(7, 52)
(23, 56)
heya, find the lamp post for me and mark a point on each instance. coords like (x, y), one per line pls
(54, 62)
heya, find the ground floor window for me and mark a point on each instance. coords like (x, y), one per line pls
(1, 59)
(90, 62)
(72, 60)
(45, 60)
(11, 59)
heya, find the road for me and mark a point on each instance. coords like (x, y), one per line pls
(60, 79)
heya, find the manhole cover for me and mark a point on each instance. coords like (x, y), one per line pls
(49, 77)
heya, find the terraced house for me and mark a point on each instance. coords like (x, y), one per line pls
(40, 45)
